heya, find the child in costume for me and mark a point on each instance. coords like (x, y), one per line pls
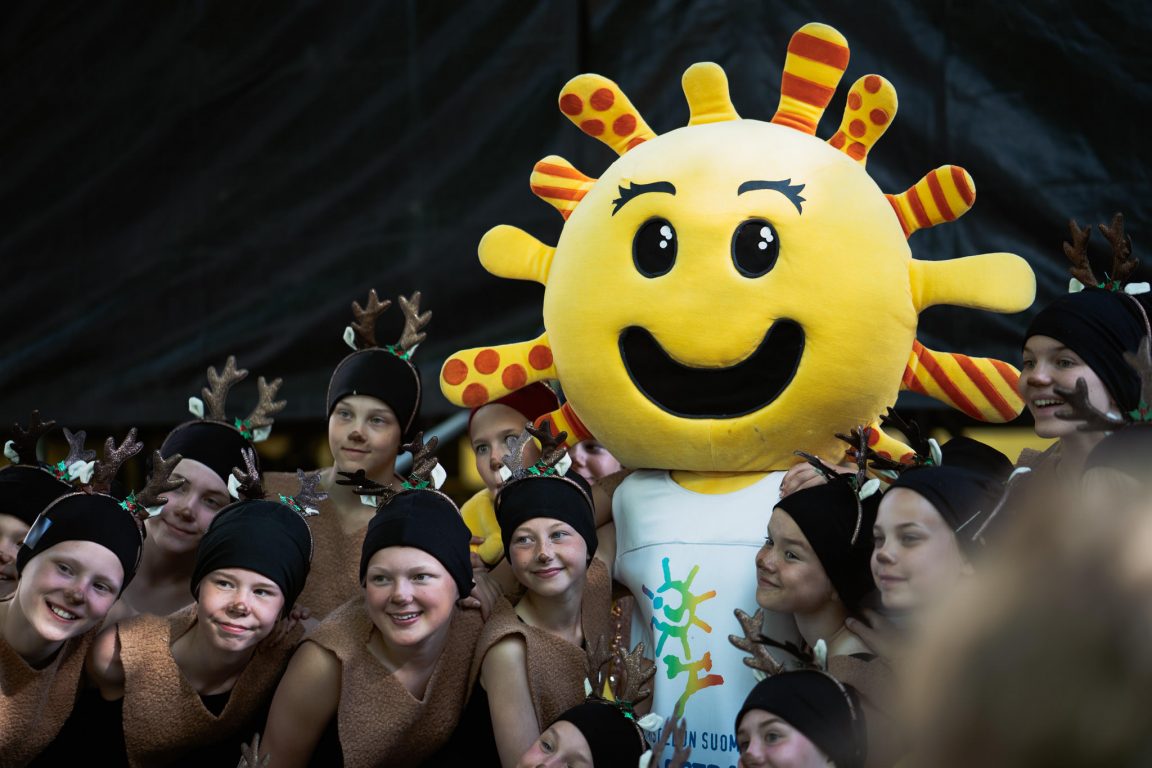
(593, 461)
(801, 719)
(210, 446)
(1118, 471)
(595, 734)
(76, 559)
(489, 426)
(930, 522)
(604, 731)
(530, 662)
(26, 488)
(372, 404)
(1083, 335)
(384, 678)
(188, 688)
(814, 563)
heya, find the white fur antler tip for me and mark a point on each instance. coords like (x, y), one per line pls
(81, 470)
(196, 407)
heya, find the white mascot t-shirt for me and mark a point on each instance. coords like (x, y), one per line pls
(689, 560)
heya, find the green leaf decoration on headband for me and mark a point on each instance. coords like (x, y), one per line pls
(421, 478)
(1141, 413)
(403, 354)
(552, 453)
(244, 426)
(129, 503)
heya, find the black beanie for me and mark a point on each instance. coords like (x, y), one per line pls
(214, 444)
(266, 537)
(567, 498)
(1099, 326)
(25, 490)
(382, 374)
(969, 482)
(426, 520)
(825, 711)
(613, 738)
(94, 517)
(826, 514)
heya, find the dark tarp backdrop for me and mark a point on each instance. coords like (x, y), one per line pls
(184, 181)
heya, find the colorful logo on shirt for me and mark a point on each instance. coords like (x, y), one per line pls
(673, 618)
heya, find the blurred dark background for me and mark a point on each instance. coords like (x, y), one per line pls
(187, 180)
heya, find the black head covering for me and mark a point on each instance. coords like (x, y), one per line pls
(380, 373)
(1099, 326)
(427, 520)
(827, 516)
(968, 483)
(267, 537)
(214, 444)
(94, 517)
(824, 710)
(613, 738)
(25, 490)
(567, 498)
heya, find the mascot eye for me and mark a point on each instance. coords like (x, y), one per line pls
(654, 248)
(755, 247)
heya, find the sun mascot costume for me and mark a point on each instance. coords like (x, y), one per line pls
(722, 295)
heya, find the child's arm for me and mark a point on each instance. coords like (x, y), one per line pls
(305, 702)
(103, 667)
(504, 676)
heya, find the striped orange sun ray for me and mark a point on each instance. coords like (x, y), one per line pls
(980, 387)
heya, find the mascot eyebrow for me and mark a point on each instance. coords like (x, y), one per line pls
(785, 187)
(635, 190)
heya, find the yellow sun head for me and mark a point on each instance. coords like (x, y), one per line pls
(734, 290)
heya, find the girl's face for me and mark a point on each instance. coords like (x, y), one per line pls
(916, 559)
(562, 745)
(12, 533)
(68, 589)
(238, 608)
(364, 433)
(547, 556)
(593, 461)
(409, 595)
(766, 741)
(789, 576)
(491, 426)
(190, 509)
(1048, 364)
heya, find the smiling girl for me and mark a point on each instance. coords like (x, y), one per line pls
(383, 679)
(206, 672)
(801, 719)
(926, 527)
(26, 488)
(814, 563)
(75, 561)
(1082, 335)
(373, 404)
(530, 663)
(210, 447)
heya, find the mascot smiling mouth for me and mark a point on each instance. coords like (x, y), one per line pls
(713, 393)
